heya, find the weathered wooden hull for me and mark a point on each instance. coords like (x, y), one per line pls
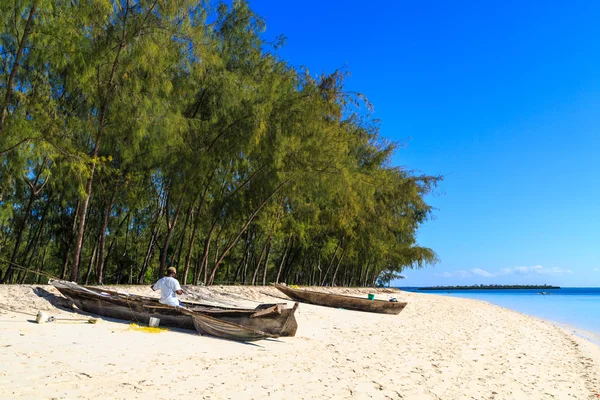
(341, 301)
(272, 320)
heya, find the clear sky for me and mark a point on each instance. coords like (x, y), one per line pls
(503, 99)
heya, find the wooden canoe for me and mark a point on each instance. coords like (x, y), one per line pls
(269, 320)
(341, 301)
(275, 319)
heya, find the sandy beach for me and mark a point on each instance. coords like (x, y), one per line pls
(437, 348)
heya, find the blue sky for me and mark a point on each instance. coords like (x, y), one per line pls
(503, 99)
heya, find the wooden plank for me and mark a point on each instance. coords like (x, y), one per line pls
(276, 309)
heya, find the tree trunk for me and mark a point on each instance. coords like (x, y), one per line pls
(242, 264)
(41, 269)
(216, 248)
(338, 266)
(197, 269)
(35, 191)
(151, 244)
(241, 232)
(205, 255)
(84, 206)
(375, 274)
(264, 281)
(112, 243)
(290, 263)
(8, 274)
(176, 257)
(108, 205)
(258, 263)
(283, 258)
(124, 254)
(331, 263)
(188, 256)
(170, 231)
(92, 259)
(70, 241)
(37, 239)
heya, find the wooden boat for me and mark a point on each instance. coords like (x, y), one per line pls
(341, 301)
(269, 320)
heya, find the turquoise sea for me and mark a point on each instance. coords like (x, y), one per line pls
(574, 307)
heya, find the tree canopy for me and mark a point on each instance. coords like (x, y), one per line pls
(137, 135)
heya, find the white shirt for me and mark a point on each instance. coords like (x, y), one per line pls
(168, 286)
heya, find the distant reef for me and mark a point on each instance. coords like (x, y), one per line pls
(489, 287)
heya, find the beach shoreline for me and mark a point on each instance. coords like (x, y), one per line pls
(593, 337)
(439, 347)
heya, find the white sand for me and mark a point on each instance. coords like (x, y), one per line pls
(437, 348)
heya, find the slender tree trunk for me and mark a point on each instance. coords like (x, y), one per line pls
(22, 261)
(169, 236)
(108, 205)
(338, 266)
(193, 237)
(331, 263)
(283, 258)
(35, 191)
(188, 256)
(91, 263)
(205, 269)
(83, 209)
(290, 264)
(319, 269)
(38, 233)
(375, 274)
(264, 281)
(70, 241)
(205, 253)
(151, 244)
(176, 257)
(217, 242)
(15, 66)
(41, 269)
(124, 254)
(37, 239)
(197, 268)
(244, 258)
(112, 243)
(258, 263)
(13, 258)
(8, 275)
(314, 270)
(241, 232)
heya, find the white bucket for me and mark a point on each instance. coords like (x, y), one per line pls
(41, 317)
(153, 322)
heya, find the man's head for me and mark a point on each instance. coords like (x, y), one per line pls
(171, 271)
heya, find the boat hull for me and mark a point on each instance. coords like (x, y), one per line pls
(341, 301)
(271, 319)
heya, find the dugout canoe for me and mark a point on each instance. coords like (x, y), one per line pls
(341, 301)
(270, 320)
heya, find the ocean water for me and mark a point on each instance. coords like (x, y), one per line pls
(575, 307)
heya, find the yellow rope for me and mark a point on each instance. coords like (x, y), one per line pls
(147, 329)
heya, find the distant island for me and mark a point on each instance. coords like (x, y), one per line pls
(486, 287)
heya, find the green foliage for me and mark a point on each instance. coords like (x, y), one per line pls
(152, 133)
(386, 277)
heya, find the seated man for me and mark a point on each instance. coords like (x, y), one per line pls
(169, 288)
